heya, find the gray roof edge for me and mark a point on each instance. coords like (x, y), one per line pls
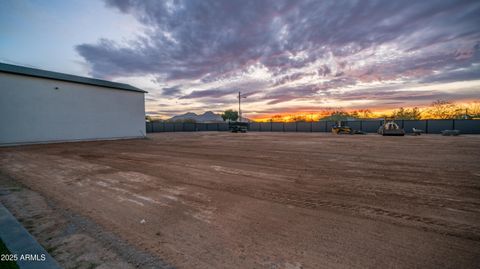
(33, 72)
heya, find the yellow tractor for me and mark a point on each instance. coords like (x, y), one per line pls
(338, 128)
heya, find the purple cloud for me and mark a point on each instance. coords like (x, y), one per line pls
(307, 47)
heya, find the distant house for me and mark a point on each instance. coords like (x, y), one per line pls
(38, 106)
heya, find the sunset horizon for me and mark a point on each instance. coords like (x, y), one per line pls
(470, 107)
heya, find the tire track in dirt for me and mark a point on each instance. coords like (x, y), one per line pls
(305, 200)
(308, 200)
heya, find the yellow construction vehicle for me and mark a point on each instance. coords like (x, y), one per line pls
(390, 128)
(338, 128)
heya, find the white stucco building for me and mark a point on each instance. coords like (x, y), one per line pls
(38, 106)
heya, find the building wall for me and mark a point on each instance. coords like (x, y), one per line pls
(33, 111)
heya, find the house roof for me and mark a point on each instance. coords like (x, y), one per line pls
(33, 72)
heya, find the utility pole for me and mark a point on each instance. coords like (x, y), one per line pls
(239, 108)
(239, 111)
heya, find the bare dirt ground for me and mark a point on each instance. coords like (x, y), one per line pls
(257, 200)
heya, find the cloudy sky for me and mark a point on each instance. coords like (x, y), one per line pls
(285, 56)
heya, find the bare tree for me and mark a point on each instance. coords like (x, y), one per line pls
(276, 118)
(407, 114)
(472, 110)
(442, 109)
(362, 114)
(299, 118)
(337, 115)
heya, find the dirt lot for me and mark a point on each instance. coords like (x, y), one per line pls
(258, 200)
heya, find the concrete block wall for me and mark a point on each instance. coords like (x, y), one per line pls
(468, 126)
(369, 126)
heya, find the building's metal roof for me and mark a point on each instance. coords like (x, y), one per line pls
(32, 72)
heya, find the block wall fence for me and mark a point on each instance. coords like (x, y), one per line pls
(369, 126)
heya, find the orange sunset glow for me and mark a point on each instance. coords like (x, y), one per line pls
(461, 108)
